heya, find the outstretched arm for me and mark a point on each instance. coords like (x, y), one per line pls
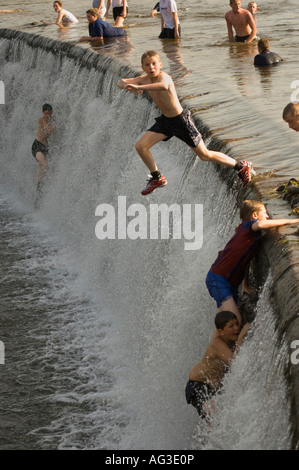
(267, 224)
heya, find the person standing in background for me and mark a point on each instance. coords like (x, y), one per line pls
(100, 6)
(120, 11)
(170, 24)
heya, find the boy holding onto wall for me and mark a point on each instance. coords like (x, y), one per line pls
(205, 378)
(231, 267)
(174, 121)
(242, 21)
(291, 116)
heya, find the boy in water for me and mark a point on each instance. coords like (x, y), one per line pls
(252, 7)
(232, 264)
(170, 24)
(174, 121)
(265, 57)
(291, 116)
(242, 22)
(120, 11)
(99, 29)
(40, 145)
(205, 378)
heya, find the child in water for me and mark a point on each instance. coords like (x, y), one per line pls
(205, 378)
(64, 17)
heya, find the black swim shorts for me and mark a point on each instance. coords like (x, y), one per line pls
(39, 147)
(197, 394)
(241, 38)
(168, 33)
(181, 126)
(118, 11)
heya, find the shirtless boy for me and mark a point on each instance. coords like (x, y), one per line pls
(174, 121)
(205, 378)
(40, 145)
(242, 21)
(291, 116)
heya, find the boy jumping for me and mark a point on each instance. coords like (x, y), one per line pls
(174, 121)
(232, 264)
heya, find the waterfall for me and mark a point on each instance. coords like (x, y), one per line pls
(136, 314)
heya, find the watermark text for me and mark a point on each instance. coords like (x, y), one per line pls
(295, 93)
(2, 353)
(295, 354)
(2, 92)
(158, 221)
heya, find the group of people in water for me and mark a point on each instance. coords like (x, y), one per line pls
(230, 270)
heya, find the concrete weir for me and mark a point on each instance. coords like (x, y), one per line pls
(279, 252)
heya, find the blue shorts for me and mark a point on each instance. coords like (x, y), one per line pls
(220, 288)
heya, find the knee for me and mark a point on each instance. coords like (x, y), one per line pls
(203, 154)
(139, 146)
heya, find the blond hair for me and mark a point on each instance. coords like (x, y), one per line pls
(248, 207)
(147, 54)
(92, 12)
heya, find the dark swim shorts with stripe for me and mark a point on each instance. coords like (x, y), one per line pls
(181, 126)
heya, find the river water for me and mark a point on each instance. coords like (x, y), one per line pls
(100, 335)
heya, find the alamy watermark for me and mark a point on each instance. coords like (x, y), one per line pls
(295, 354)
(2, 353)
(2, 92)
(295, 93)
(157, 221)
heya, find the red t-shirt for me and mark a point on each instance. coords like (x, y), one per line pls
(231, 262)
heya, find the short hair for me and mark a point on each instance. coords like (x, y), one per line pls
(47, 107)
(291, 110)
(149, 54)
(248, 207)
(263, 44)
(58, 1)
(92, 12)
(223, 317)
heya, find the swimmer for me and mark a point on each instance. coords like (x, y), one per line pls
(242, 21)
(206, 377)
(18, 10)
(99, 29)
(265, 57)
(40, 146)
(291, 116)
(252, 7)
(64, 17)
